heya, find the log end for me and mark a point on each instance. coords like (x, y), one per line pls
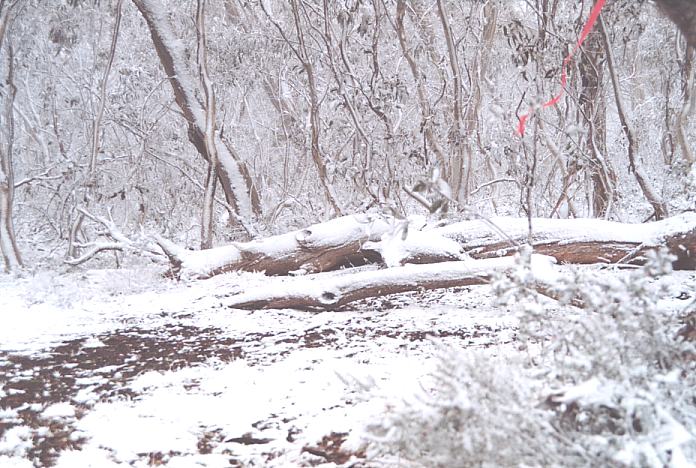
(173, 253)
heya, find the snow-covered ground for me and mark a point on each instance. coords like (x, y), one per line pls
(109, 368)
(118, 367)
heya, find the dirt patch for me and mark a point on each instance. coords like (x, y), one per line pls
(329, 449)
(82, 372)
(475, 335)
(104, 366)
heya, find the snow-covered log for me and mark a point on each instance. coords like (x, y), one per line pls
(331, 291)
(320, 247)
(360, 239)
(581, 241)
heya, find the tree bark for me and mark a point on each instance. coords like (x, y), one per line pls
(687, 153)
(208, 214)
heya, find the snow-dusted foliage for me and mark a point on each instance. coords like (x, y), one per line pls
(611, 384)
(125, 122)
(380, 124)
(475, 411)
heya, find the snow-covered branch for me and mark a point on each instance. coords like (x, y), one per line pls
(118, 241)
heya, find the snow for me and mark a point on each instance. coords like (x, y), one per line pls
(231, 399)
(346, 227)
(15, 462)
(201, 262)
(87, 457)
(306, 389)
(36, 326)
(588, 393)
(398, 246)
(59, 410)
(292, 383)
(93, 343)
(571, 230)
(16, 441)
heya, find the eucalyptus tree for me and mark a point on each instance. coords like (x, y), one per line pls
(8, 90)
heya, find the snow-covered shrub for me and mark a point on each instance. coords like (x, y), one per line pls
(622, 383)
(130, 281)
(476, 411)
(609, 384)
(67, 289)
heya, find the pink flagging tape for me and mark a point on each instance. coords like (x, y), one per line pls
(594, 15)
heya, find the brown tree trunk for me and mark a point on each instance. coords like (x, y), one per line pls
(593, 107)
(234, 178)
(683, 13)
(688, 73)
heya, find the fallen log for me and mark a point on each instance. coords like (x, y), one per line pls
(360, 239)
(320, 247)
(328, 291)
(579, 241)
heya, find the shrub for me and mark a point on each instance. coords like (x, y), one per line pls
(610, 384)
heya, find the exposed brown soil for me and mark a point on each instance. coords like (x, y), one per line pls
(329, 449)
(33, 382)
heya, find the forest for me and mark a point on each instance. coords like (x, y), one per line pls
(409, 204)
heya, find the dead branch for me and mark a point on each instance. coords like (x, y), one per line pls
(116, 241)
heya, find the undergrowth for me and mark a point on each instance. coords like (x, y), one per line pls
(608, 384)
